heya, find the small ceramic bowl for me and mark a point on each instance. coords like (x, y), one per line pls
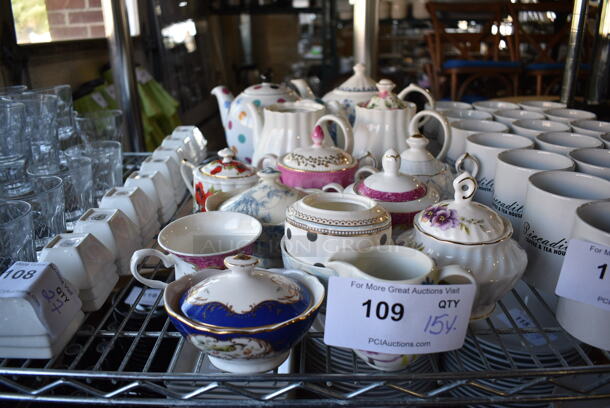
(591, 127)
(462, 114)
(237, 341)
(201, 241)
(318, 270)
(592, 161)
(508, 117)
(568, 115)
(565, 142)
(492, 106)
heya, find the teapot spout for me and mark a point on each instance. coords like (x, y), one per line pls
(258, 120)
(303, 88)
(224, 97)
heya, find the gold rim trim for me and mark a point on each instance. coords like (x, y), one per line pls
(380, 219)
(245, 330)
(334, 233)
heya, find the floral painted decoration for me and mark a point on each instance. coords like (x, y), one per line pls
(201, 195)
(446, 218)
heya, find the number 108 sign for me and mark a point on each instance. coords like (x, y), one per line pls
(397, 318)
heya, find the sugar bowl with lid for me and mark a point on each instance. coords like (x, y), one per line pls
(472, 235)
(224, 174)
(246, 319)
(401, 195)
(321, 224)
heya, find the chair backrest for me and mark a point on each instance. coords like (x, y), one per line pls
(541, 29)
(482, 44)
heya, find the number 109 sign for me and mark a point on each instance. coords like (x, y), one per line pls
(396, 318)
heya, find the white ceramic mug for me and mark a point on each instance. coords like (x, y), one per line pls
(492, 106)
(541, 106)
(513, 168)
(595, 162)
(533, 127)
(486, 147)
(588, 323)
(462, 114)
(464, 128)
(565, 142)
(508, 117)
(550, 205)
(568, 115)
(591, 127)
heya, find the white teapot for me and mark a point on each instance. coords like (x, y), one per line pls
(474, 236)
(383, 122)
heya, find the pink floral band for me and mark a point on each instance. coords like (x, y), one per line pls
(412, 195)
(213, 261)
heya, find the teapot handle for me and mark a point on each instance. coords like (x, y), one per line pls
(414, 124)
(345, 127)
(140, 255)
(365, 169)
(416, 88)
(186, 171)
(367, 159)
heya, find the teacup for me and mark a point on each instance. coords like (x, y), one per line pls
(595, 162)
(541, 106)
(461, 114)
(550, 205)
(492, 106)
(533, 127)
(588, 323)
(565, 142)
(395, 264)
(591, 127)
(486, 147)
(568, 115)
(168, 167)
(201, 241)
(157, 189)
(513, 168)
(508, 117)
(189, 151)
(464, 128)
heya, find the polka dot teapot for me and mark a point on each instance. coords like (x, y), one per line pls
(238, 122)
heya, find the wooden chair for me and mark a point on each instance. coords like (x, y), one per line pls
(464, 56)
(539, 46)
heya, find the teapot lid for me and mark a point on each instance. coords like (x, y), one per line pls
(462, 221)
(267, 88)
(359, 82)
(267, 201)
(417, 160)
(226, 166)
(245, 296)
(318, 158)
(390, 184)
(385, 98)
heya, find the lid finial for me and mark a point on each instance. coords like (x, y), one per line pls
(391, 162)
(227, 155)
(317, 136)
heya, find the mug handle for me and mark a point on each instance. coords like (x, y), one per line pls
(345, 127)
(333, 186)
(365, 169)
(449, 273)
(459, 164)
(139, 255)
(268, 157)
(414, 128)
(186, 171)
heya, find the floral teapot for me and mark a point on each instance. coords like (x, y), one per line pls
(383, 122)
(236, 119)
(357, 89)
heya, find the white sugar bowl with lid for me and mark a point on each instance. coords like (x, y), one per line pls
(225, 174)
(323, 223)
(402, 195)
(474, 236)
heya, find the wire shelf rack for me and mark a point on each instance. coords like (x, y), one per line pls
(128, 353)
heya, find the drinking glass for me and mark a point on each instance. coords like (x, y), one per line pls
(14, 149)
(100, 125)
(13, 89)
(16, 233)
(41, 131)
(65, 117)
(107, 166)
(47, 201)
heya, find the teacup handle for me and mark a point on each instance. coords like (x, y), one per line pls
(363, 170)
(268, 157)
(333, 186)
(345, 127)
(449, 273)
(186, 171)
(139, 255)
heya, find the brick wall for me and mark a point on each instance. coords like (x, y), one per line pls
(75, 19)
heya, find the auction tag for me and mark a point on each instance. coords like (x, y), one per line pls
(99, 99)
(148, 298)
(396, 318)
(54, 299)
(585, 274)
